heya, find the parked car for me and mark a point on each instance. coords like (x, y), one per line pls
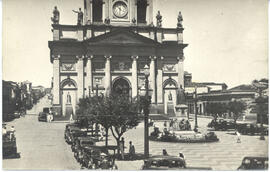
(221, 124)
(73, 137)
(98, 157)
(9, 147)
(254, 163)
(160, 161)
(43, 115)
(247, 128)
(80, 143)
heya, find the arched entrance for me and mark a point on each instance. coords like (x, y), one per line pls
(68, 97)
(121, 86)
(169, 94)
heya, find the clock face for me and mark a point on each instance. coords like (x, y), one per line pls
(120, 9)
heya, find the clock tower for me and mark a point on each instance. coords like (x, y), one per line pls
(118, 12)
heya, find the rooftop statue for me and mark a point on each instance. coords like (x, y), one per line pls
(80, 16)
(179, 20)
(181, 97)
(159, 19)
(56, 16)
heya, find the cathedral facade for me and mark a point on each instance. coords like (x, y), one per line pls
(108, 50)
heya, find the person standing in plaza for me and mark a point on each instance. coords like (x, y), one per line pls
(71, 117)
(131, 150)
(122, 147)
(238, 137)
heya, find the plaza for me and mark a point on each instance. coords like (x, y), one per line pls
(42, 146)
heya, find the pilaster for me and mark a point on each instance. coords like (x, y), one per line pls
(153, 77)
(107, 74)
(149, 12)
(56, 80)
(80, 77)
(160, 80)
(134, 82)
(181, 71)
(89, 76)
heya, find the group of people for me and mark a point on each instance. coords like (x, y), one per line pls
(182, 125)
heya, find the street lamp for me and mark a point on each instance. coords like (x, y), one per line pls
(146, 104)
(196, 111)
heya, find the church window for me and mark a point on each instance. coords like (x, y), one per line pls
(97, 10)
(141, 11)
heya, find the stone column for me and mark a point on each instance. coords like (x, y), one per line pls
(56, 80)
(149, 12)
(103, 11)
(181, 71)
(80, 77)
(160, 80)
(107, 74)
(134, 82)
(153, 78)
(89, 78)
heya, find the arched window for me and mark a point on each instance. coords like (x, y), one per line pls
(97, 10)
(141, 11)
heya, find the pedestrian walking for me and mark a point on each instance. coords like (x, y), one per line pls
(71, 118)
(238, 137)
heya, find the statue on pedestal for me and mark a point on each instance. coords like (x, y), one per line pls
(159, 19)
(170, 96)
(56, 16)
(179, 20)
(68, 99)
(181, 97)
(80, 16)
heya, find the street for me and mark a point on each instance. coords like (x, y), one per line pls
(42, 146)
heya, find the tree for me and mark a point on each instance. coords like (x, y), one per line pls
(237, 109)
(124, 113)
(116, 112)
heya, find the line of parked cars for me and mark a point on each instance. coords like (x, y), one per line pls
(86, 151)
(242, 127)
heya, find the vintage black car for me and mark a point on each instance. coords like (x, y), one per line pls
(74, 134)
(80, 143)
(98, 157)
(69, 132)
(9, 145)
(221, 124)
(254, 163)
(155, 162)
(246, 128)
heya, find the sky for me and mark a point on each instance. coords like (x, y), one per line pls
(228, 39)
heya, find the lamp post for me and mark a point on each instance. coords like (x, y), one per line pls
(147, 101)
(196, 111)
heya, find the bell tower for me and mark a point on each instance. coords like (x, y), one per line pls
(118, 12)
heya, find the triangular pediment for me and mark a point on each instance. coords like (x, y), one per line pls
(122, 37)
